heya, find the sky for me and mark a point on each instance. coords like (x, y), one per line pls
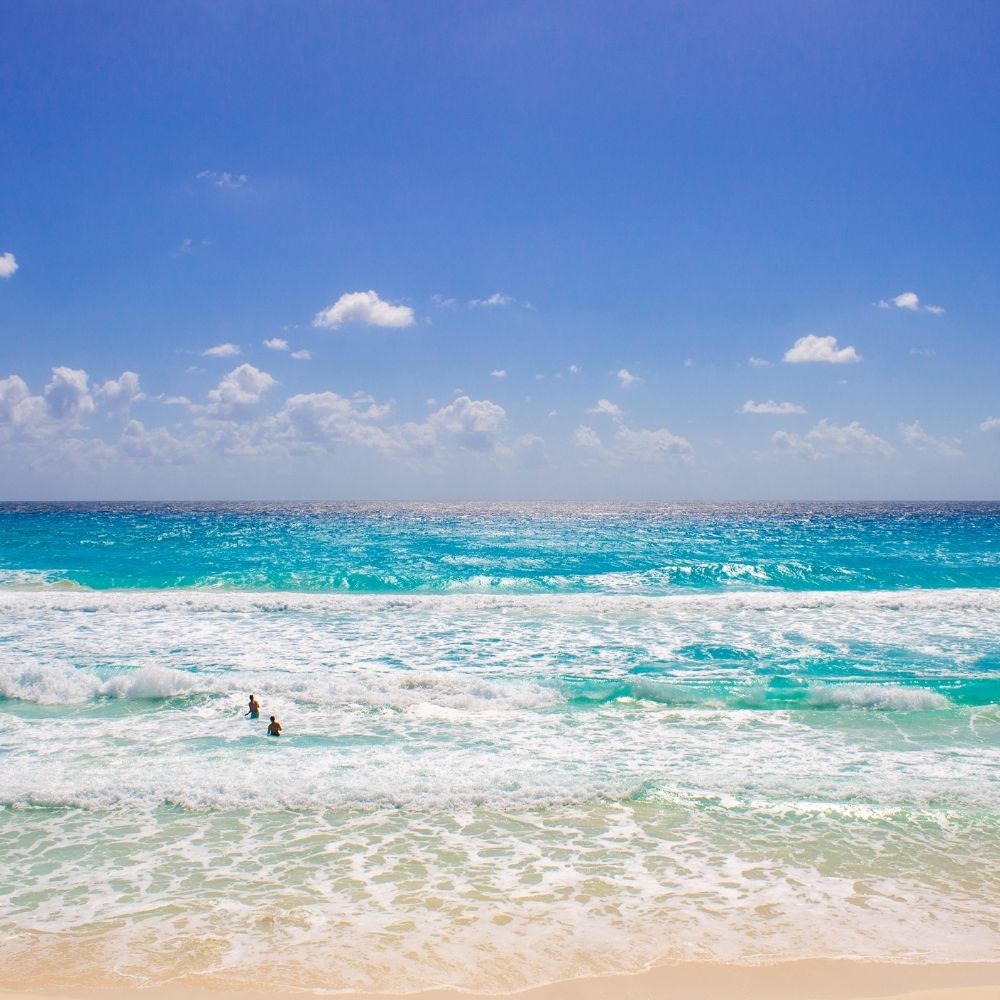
(508, 250)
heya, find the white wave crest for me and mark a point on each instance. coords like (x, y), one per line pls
(15, 602)
(33, 579)
(885, 697)
(51, 685)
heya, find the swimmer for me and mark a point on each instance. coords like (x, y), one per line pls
(275, 728)
(254, 709)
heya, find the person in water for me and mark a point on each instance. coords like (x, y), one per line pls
(274, 729)
(254, 710)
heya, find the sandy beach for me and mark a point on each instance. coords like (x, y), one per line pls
(802, 980)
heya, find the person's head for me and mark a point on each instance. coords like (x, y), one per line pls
(272, 718)
(253, 697)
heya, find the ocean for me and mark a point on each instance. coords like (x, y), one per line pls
(521, 742)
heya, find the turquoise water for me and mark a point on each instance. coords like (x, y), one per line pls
(557, 739)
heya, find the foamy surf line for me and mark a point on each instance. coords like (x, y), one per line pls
(15, 601)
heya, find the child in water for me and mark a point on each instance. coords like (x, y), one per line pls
(274, 729)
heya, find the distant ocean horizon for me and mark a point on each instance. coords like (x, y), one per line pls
(562, 738)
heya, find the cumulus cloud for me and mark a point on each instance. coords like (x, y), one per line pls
(758, 362)
(772, 408)
(909, 301)
(916, 437)
(499, 373)
(652, 445)
(586, 437)
(365, 308)
(530, 452)
(634, 445)
(156, 445)
(327, 419)
(222, 179)
(574, 369)
(827, 439)
(65, 401)
(276, 344)
(67, 396)
(474, 424)
(990, 424)
(812, 349)
(221, 351)
(21, 414)
(8, 265)
(238, 391)
(302, 355)
(230, 422)
(626, 378)
(118, 394)
(496, 299)
(605, 408)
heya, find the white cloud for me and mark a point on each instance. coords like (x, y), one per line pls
(221, 351)
(605, 408)
(916, 437)
(586, 437)
(626, 378)
(241, 389)
(67, 396)
(759, 363)
(496, 299)
(276, 344)
(64, 402)
(812, 349)
(227, 423)
(475, 424)
(223, 179)
(574, 369)
(365, 308)
(21, 414)
(444, 301)
(499, 373)
(302, 355)
(772, 408)
(909, 301)
(922, 352)
(118, 394)
(905, 300)
(652, 445)
(642, 445)
(826, 439)
(327, 418)
(990, 424)
(8, 265)
(157, 445)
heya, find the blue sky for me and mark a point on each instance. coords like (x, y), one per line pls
(508, 250)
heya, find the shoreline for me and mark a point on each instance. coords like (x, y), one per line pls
(804, 979)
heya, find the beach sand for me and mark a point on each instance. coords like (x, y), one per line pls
(802, 980)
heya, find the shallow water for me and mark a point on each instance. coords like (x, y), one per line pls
(573, 739)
